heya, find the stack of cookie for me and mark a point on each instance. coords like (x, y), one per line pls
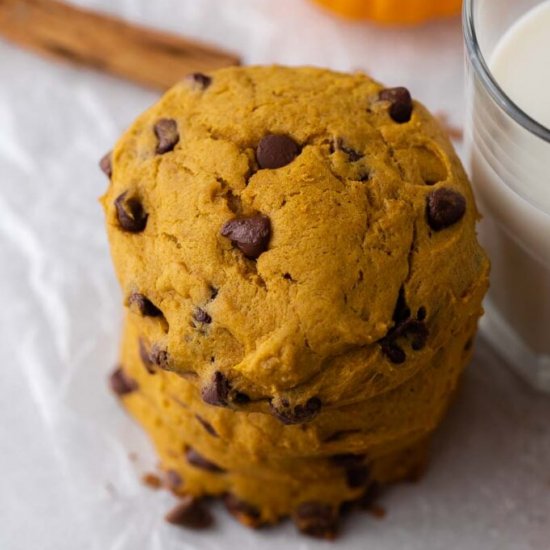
(302, 279)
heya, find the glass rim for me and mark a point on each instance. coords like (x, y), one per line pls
(483, 72)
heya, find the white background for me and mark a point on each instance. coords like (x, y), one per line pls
(67, 480)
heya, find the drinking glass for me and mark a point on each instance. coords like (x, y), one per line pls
(508, 155)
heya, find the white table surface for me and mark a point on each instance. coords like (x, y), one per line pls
(68, 482)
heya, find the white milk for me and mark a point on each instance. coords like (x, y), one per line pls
(511, 176)
(521, 66)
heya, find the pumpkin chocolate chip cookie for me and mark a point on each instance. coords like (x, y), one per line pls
(298, 257)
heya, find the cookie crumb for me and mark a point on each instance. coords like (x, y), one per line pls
(190, 513)
(151, 480)
(377, 511)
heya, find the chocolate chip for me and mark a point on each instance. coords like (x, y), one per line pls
(130, 214)
(421, 313)
(207, 426)
(106, 164)
(316, 519)
(166, 130)
(352, 154)
(197, 460)
(173, 480)
(213, 293)
(145, 357)
(143, 305)
(217, 391)
(404, 327)
(357, 472)
(160, 357)
(401, 103)
(250, 235)
(363, 175)
(276, 150)
(409, 328)
(240, 398)
(370, 496)
(417, 345)
(312, 407)
(191, 513)
(347, 460)
(415, 329)
(401, 311)
(246, 513)
(201, 316)
(444, 207)
(357, 476)
(392, 351)
(234, 201)
(297, 415)
(121, 383)
(199, 81)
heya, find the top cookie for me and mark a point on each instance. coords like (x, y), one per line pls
(293, 238)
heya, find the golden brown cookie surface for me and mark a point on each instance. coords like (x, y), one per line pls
(271, 467)
(274, 216)
(298, 257)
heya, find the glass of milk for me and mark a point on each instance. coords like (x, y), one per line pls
(508, 150)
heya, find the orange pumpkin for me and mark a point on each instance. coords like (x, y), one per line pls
(393, 11)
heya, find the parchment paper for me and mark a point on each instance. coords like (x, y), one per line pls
(70, 458)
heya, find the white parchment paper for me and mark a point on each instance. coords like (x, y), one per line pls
(70, 458)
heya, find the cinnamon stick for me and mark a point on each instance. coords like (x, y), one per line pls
(153, 58)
